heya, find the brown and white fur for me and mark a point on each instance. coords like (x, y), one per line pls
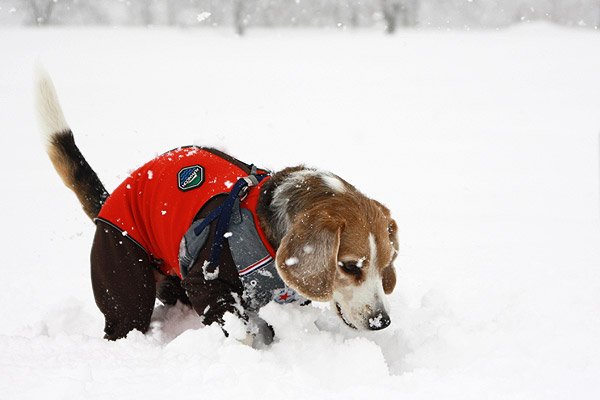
(333, 243)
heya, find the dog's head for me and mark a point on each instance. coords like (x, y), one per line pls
(341, 248)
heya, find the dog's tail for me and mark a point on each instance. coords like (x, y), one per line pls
(70, 164)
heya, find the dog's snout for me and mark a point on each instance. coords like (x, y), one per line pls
(378, 320)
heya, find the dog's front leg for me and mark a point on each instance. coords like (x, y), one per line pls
(212, 298)
(214, 294)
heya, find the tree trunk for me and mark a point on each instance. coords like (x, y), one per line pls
(41, 13)
(238, 17)
(172, 7)
(146, 12)
(390, 10)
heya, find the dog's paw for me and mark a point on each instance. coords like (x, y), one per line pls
(263, 332)
(252, 330)
(234, 327)
(248, 340)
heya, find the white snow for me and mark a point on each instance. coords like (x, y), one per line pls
(308, 249)
(333, 183)
(291, 261)
(203, 16)
(483, 144)
(210, 275)
(376, 322)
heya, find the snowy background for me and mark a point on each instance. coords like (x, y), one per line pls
(483, 144)
(247, 15)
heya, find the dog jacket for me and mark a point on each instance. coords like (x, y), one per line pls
(155, 207)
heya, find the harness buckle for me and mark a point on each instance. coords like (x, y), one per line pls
(251, 180)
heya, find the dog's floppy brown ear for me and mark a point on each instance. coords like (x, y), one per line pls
(388, 279)
(307, 256)
(388, 276)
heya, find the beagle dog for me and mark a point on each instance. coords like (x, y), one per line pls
(324, 240)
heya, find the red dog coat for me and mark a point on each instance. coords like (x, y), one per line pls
(156, 204)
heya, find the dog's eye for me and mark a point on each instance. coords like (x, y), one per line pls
(351, 268)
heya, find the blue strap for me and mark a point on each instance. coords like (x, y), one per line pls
(223, 213)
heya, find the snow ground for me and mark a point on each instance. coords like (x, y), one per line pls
(483, 144)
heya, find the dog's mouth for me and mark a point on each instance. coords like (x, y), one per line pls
(343, 317)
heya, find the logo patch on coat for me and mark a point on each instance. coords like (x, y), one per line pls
(191, 177)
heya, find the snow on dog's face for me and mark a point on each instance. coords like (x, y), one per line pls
(342, 250)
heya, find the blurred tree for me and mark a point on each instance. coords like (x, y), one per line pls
(41, 11)
(173, 7)
(410, 12)
(146, 11)
(407, 10)
(390, 9)
(239, 17)
(243, 14)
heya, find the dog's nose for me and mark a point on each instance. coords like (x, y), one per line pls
(379, 320)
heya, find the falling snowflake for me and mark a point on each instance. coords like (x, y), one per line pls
(203, 16)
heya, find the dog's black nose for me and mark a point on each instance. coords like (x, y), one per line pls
(379, 320)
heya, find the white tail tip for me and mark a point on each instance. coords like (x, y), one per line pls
(49, 114)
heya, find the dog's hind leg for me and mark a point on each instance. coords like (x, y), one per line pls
(123, 282)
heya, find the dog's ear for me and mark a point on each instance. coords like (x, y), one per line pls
(388, 276)
(388, 279)
(307, 256)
